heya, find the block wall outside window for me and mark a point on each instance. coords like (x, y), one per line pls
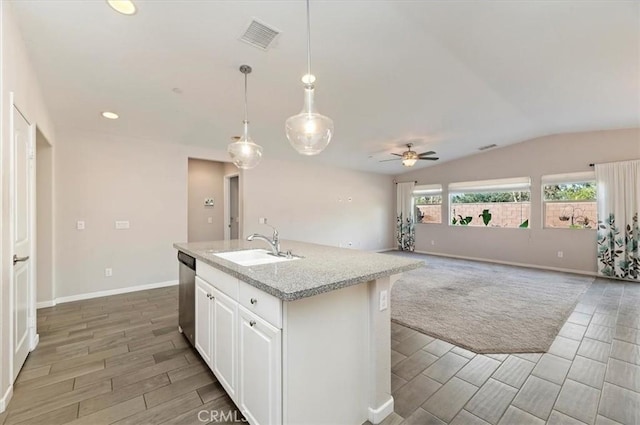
(427, 201)
(503, 214)
(570, 201)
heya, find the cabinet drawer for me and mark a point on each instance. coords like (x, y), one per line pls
(262, 304)
(219, 279)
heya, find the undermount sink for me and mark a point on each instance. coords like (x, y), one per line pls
(253, 257)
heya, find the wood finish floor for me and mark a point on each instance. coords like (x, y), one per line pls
(116, 360)
(121, 360)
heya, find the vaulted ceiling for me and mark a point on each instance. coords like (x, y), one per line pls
(450, 76)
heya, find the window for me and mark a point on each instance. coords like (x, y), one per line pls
(570, 201)
(491, 203)
(427, 201)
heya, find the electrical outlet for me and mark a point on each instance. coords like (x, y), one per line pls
(80, 225)
(208, 202)
(349, 199)
(433, 242)
(384, 300)
(560, 254)
(108, 272)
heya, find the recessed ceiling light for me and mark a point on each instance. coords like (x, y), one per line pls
(126, 7)
(110, 115)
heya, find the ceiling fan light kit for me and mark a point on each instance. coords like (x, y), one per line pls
(309, 132)
(410, 157)
(244, 153)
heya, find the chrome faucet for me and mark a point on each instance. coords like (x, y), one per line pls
(274, 242)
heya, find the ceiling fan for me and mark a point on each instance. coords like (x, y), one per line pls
(409, 157)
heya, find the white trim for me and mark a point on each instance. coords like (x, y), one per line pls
(227, 204)
(45, 304)
(34, 342)
(427, 189)
(108, 292)
(379, 414)
(509, 263)
(522, 184)
(6, 398)
(385, 249)
(568, 178)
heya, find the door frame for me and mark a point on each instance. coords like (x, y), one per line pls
(227, 203)
(33, 336)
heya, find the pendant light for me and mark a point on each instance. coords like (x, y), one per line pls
(244, 152)
(309, 132)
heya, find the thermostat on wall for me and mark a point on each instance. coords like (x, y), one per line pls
(208, 202)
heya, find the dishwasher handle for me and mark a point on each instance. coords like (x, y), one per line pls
(187, 260)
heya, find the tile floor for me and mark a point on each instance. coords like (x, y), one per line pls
(591, 374)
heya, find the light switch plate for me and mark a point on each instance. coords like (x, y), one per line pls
(80, 225)
(208, 202)
(121, 225)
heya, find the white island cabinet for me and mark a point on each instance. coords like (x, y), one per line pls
(301, 342)
(242, 349)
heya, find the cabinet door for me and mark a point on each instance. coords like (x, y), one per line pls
(224, 352)
(204, 306)
(260, 370)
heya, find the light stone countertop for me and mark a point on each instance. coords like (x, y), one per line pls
(322, 268)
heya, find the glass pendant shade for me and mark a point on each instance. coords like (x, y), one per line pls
(244, 153)
(309, 132)
(409, 159)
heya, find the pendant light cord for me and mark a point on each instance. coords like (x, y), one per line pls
(246, 109)
(308, 40)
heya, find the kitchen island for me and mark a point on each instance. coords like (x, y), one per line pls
(302, 341)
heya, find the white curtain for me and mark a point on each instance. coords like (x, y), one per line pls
(618, 232)
(405, 216)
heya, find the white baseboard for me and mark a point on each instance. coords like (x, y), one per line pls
(379, 414)
(45, 304)
(34, 342)
(4, 401)
(98, 294)
(510, 263)
(385, 249)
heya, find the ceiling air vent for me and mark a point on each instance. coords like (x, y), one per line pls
(484, 148)
(259, 35)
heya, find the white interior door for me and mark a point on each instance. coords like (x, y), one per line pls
(21, 208)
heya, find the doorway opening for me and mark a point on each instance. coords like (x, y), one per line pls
(45, 292)
(206, 216)
(232, 206)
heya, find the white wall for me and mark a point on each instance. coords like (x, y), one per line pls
(310, 203)
(536, 246)
(101, 179)
(206, 180)
(18, 77)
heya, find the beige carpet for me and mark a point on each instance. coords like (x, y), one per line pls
(486, 308)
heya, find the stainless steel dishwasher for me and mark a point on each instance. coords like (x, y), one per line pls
(187, 296)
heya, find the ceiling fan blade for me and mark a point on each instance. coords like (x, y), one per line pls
(394, 159)
(396, 154)
(426, 153)
(429, 158)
